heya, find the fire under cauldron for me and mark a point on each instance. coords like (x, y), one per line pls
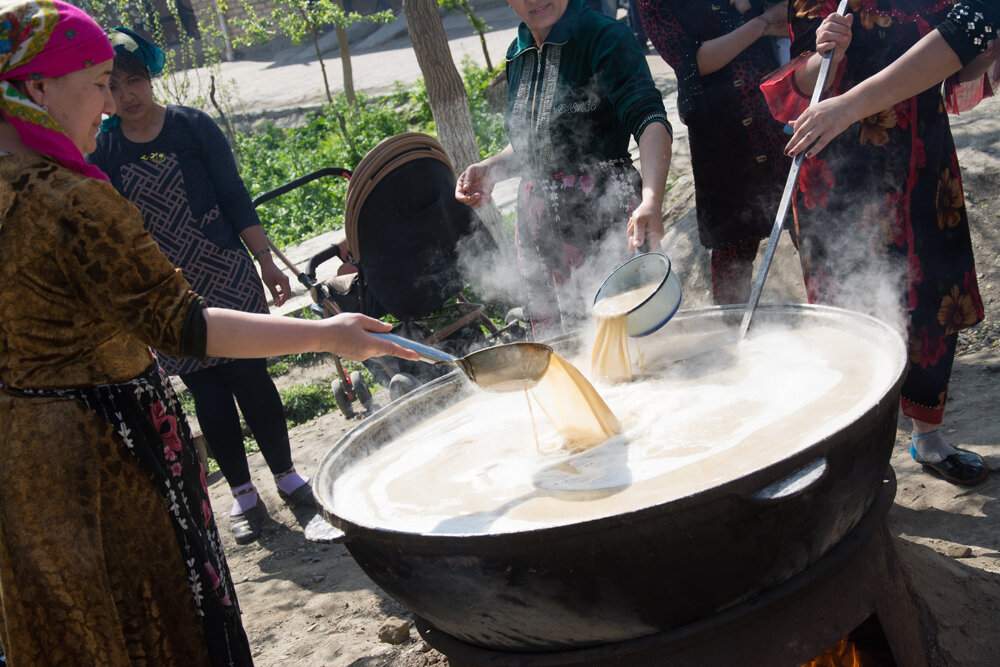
(641, 572)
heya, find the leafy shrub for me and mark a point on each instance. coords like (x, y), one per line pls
(272, 156)
(304, 401)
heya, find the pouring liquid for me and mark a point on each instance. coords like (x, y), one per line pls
(573, 406)
(610, 358)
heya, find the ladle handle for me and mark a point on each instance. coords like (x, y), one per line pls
(786, 196)
(427, 353)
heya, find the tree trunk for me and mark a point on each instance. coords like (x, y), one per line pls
(345, 60)
(446, 95)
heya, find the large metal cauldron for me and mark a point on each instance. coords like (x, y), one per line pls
(634, 574)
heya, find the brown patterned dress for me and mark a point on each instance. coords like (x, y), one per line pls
(90, 566)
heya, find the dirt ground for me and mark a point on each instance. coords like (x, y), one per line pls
(307, 603)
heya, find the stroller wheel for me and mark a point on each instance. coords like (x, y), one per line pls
(402, 384)
(341, 398)
(514, 315)
(361, 390)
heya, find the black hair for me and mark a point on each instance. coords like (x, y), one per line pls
(127, 62)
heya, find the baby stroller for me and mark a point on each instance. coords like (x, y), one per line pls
(404, 233)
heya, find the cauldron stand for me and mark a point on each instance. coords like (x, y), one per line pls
(788, 625)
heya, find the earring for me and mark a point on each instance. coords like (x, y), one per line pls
(45, 108)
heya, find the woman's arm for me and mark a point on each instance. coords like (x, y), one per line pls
(926, 64)
(646, 222)
(233, 333)
(237, 207)
(716, 53)
(834, 33)
(277, 283)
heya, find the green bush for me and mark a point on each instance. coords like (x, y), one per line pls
(272, 156)
(305, 401)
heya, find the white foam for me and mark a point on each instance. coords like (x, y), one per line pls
(708, 412)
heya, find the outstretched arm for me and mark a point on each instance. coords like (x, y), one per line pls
(474, 186)
(233, 333)
(926, 64)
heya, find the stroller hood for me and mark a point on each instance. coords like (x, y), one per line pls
(405, 228)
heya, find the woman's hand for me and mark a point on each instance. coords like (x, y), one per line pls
(742, 6)
(645, 226)
(350, 337)
(818, 125)
(274, 279)
(475, 186)
(834, 33)
(776, 18)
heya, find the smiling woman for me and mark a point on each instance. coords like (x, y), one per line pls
(76, 101)
(109, 552)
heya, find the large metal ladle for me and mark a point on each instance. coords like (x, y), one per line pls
(786, 197)
(509, 367)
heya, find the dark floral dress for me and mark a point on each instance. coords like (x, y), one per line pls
(737, 147)
(880, 211)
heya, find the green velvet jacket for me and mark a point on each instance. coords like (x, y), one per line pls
(575, 100)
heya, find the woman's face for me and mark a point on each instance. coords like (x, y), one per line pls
(133, 95)
(539, 15)
(77, 102)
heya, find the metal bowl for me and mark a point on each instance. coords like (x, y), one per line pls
(657, 309)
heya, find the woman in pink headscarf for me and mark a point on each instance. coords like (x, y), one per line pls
(109, 553)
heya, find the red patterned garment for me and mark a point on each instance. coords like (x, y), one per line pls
(880, 212)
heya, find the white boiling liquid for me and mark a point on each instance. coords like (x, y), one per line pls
(705, 412)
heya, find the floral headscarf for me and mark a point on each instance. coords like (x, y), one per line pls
(44, 39)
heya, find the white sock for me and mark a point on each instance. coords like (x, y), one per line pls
(289, 480)
(244, 497)
(931, 448)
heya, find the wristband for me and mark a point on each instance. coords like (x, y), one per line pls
(261, 252)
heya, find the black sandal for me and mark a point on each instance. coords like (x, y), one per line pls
(301, 497)
(245, 526)
(962, 467)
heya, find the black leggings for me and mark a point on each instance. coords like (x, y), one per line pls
(214, 389)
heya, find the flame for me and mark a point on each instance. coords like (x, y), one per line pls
(843, 654)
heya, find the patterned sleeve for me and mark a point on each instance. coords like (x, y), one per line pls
(970, 28)
(675, 45)
(118, 270)
(784, 98)
(234, 200)
(625, 76)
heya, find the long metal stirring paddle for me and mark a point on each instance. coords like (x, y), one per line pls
(786, 197)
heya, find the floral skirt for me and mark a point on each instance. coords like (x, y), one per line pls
(571, 233)
(146, 415)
